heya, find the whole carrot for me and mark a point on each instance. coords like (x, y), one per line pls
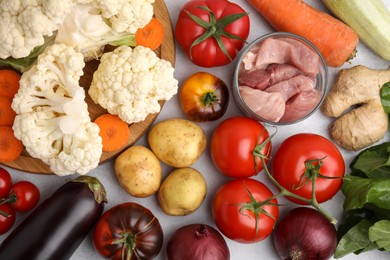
(334, 39)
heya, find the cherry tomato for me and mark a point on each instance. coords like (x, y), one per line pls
(297, 155)
(233, 143)
(24, 196)
(5, 183)
(241, 217)
(128, 228)
(7, 217)
(203, 46)
(204, 97)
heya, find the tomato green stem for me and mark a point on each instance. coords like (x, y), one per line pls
(128, 242)
(5, 214)
(257, 151)
(215, 28)
(284, 192)
(312, 173)
(11, 198)
(209, 98)
(256, 207)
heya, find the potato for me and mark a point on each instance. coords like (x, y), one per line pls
(177, 142)
(182, 192)
(139, 171)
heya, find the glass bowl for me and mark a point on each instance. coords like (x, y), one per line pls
(280, 79)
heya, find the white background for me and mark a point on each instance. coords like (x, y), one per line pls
(317, 123)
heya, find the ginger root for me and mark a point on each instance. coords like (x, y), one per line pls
(355, 100)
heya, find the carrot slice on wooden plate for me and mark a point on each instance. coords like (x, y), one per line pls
(7, 115)
(151, 35)
(9, 83)
(10, 146)
(114, 132)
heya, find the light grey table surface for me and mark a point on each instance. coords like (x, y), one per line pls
(317, 123)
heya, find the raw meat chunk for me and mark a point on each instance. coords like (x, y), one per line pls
(248, 61)
(257, 78)
(280, 72)
(285, 52)
(261, 79)
(292, 86)
(300, 105)
(270, 106)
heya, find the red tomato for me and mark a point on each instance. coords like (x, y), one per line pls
(204, 97)
(5, 183)
(234, 210)
(7, 217)
(130, 227)
(232, 145)
(288, 166)
(203, 46)
(24, 196)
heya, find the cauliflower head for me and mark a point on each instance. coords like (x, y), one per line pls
(52, 117)
(25, 24)
(86, 25)
(129, 82)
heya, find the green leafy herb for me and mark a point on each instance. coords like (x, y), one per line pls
(385, 97)
(355, 240)
(380, 233)
(373, 162)
(361, 191)
(366, 220)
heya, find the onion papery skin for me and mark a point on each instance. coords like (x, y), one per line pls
(305, 234)
(197, 242)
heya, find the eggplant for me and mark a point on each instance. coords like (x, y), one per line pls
(56, 228)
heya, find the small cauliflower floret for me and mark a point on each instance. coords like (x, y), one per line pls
(24, 24)
(52, 117)
(127, 16)
(56, 10)
(130, 82)
(91, 24)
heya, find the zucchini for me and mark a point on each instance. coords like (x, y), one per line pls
(56, 228)
(369, 19)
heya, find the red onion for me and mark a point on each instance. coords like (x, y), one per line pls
(305, 234)
(197, 241)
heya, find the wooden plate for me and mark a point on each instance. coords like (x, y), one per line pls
(165, 51)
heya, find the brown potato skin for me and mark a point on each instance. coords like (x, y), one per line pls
(182, 192)
(139, 171)
(177, 142)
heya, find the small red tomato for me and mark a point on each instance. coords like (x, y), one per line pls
(7, 217)
(237, 145)
(204, 97)
(5, 183)
(24, 196)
